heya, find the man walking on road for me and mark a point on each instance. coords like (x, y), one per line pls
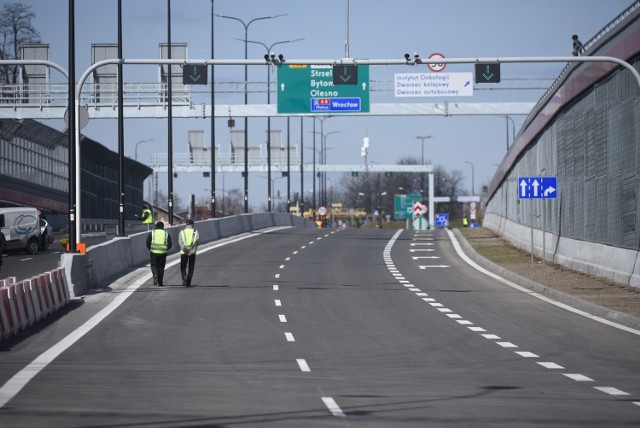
(188, 241)
(158, 243)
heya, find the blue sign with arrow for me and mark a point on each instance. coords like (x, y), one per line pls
(537, 188)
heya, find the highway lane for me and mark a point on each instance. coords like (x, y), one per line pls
(23, 265)
(303, 327)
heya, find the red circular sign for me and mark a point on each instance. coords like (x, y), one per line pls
(436, 67)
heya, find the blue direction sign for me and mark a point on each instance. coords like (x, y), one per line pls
(537, 188)
(336, 104)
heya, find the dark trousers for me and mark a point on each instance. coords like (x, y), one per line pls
(157, 262)
(184, 261)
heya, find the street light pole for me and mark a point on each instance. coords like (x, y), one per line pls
(269, 50)
(213, 121)
(246, 100)
(140, 142)
(324, 162)
(513, 134)
(422, 160)
(473, 192)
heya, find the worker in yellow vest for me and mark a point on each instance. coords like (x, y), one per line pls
(147, 216)
(188, 241)
(158, 243)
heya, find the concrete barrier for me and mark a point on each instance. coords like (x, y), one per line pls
(109, 260)
(24, 303)
(617, 264)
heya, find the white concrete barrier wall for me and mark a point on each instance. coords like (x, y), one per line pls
(617, 264)
(110, 259)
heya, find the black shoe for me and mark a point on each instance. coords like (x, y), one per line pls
(155, 280)
(184, 283)
(161, 285)
(188, 283)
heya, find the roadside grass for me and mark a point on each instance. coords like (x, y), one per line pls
(492, 247)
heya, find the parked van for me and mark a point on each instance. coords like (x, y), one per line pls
(21, 228)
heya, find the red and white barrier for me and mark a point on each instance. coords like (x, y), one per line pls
(26, 302)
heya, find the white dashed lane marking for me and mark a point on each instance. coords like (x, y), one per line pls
(329, 402)
(527, 354)
(302, 363)
(551, 366)
(610, 390)
(332, 406)
(489, 336)
(578, 377)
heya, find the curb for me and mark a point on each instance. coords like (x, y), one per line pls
(560, 296)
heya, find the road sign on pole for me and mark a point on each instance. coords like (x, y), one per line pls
(433, 84)
(403, 206)
(488, 72)
(345, 74)
(310, 88)
(537, 188)
(194, 74)
(436, 67)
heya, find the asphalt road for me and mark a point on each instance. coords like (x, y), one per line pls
(309, 327)
(23, 265)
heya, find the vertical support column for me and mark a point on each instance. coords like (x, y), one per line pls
(432, 216)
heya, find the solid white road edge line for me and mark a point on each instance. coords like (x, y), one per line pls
(18, 381)
(463, 256)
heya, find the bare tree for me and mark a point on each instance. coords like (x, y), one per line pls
(448, 184)
(16, 29)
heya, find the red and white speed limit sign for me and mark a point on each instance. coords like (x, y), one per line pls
(323, 210)
(439, 66)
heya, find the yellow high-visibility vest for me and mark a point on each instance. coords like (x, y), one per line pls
(159, 239)
(190, 238)
(149, 218)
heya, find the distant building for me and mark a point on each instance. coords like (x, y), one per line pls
(34, 172)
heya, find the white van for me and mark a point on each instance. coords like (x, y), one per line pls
(21, 228)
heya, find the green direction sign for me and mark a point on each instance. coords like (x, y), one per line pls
(194, 74)
(310, 89)
(403, 206)
(487, 72)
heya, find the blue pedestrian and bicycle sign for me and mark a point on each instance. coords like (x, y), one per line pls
(537, 188)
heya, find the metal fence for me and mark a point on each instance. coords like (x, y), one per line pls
(593, 147)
